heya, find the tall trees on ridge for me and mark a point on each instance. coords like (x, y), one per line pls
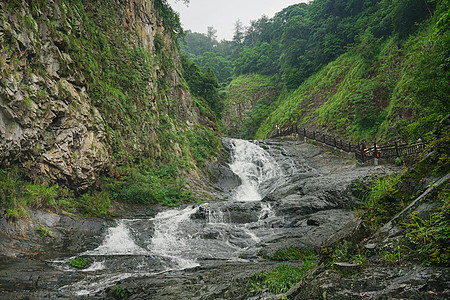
(302, 38)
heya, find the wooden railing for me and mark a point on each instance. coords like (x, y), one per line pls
(317, 136)
(362, 153)
(385, 152)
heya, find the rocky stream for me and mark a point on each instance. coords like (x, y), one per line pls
(274, 194)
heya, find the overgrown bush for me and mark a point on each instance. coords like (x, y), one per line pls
(380, 203)
(79, 262)
(146, 185)
(17, 194)
(430, 237)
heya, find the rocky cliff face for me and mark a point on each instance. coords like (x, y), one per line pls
(84, 85)
(244, 94)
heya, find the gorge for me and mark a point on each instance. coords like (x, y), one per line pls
(135, 158)
(290, 195)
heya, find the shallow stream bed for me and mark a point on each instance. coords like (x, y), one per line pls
(280, 194)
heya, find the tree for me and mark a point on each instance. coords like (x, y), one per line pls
(238, 36)
(406, 14)
(212, 33)
(211, 92)
(202, 85)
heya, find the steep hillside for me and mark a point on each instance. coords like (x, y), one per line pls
(368, 70)
(87, 87)
(385, 90)
(247, 99)
(392, 82)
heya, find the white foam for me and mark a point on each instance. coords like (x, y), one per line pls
(118, 242)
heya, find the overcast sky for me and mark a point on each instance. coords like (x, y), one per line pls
(223, 14)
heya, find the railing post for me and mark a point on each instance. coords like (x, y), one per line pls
(375, 154)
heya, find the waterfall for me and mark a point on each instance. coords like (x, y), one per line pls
(118, 241)
(257, 170)
(178, 239)
(170, 239)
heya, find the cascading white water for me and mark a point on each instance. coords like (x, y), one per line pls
(266, 212)
(118, 242)
(170, 239)
(256, 169)
(179, 239)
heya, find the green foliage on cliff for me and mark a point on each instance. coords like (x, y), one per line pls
(248, 103)
(162, 182)
(203, 85)
(135, 95)
(427, 230)
(17, 195)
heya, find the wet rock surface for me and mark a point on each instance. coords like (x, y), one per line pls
(398, 282)
(310, 204)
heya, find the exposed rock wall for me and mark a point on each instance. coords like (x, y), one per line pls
(50, 123)
(243, 95)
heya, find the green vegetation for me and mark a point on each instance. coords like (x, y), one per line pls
(203, 85)
(373, 70)
(379, 204)
(280, 279)
(119, 292)
(254, 91)
(44, 231)
(283, 277)
(79, 263)
(18, 194)
(152, 185)
(429, 236)
(344, 251)
(371, 91)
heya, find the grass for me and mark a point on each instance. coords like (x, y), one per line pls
(379, 203)
(44, 231)
(18, 195)
(283, 277)
(279, 280)
(430, 237)
(344, 251)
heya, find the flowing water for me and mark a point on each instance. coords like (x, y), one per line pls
(179, 239)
